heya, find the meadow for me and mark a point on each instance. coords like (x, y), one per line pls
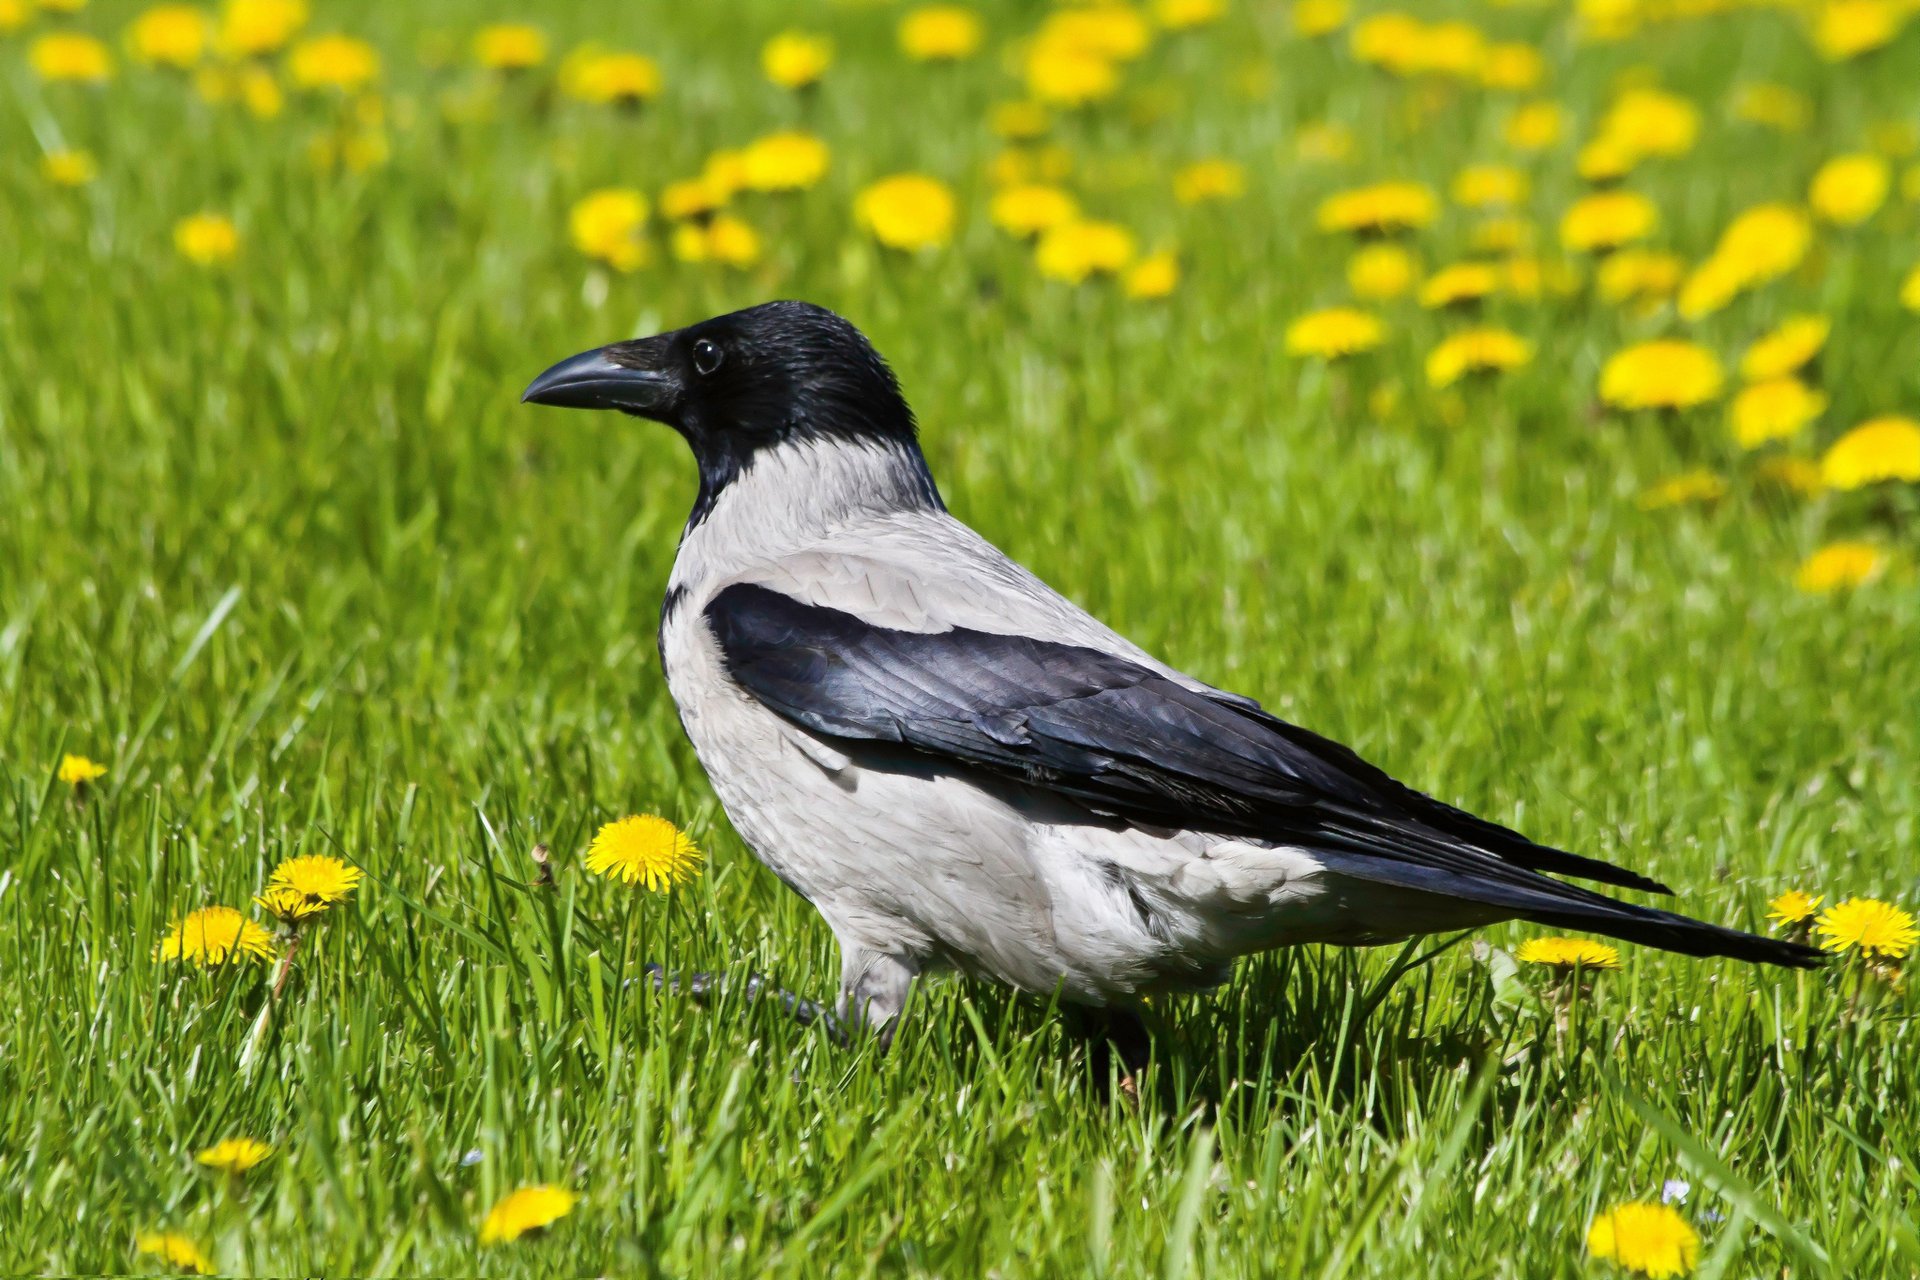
(282, 554)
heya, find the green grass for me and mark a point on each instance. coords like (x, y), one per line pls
(278, 544)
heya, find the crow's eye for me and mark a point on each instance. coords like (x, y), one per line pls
(706, 357)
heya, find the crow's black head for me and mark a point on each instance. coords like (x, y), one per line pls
(738, 383)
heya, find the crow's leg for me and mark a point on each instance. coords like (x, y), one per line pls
(756, 987)
(1114, 1036)
(873, 989)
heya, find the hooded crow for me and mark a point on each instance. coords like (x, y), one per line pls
(959, 767)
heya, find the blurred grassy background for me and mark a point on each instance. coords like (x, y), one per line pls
(279, 546)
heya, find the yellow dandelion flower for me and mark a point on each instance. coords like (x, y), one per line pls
(1638, 275)
(785, 161)
(1664, 374)
(69, 168)
(524, 1210)
(725, 239)
(14, 15)
(1786, 348)
(1711, 286)
(1697, 485)
(1315, 18)
(1652, 122)
(1568, 953)
(251, 28)
(1183, 15)
(608, 77)
(1513, 67)
(1797, 474)
(692, 198)
(1388, 40)
(1111, 30)
(1773, 105)
(1060, 75)
(1606, 160)
(1848, 190)
(177, 1251)
(1386, 206)
(1776, 409)
(1846, 29)
(907, 211)
(1651, 1239)
(1020, 121)
(1205, 180)
(1484, 186)
(69, 55)
(1880, 449)
(170, 35)
(941, 33)
(1765, 242)
(1508, 233)
(212, 935)
(1840, 566)
(78, 771)
(1476, 351)
(1869, 926)
(206, 239)
(1154, 276)
(796, 59)
(1607, 220)
(306, 886)
(338, 62)
(643, 849)
(1377, 272)
(606, 225)
(1535, 126)
(509, 46)
(1334, 332)
(1031, 208)
(1073, 250)
(1459, 283)
(235, 1155)
(1793, 909)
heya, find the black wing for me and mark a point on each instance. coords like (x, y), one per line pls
(1125, 741)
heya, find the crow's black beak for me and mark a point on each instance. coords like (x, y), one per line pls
(633, 382)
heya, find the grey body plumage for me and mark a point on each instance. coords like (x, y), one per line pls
(958, 767)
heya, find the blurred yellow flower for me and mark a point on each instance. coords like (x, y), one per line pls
(1514, 67)
(69, 168)
(1020, 121)
(1710, 286)
(606, 225)
(250, 28)
(1607, 220)
(1568, 953)
(1323, 141)
(1848, 28)
(524, 1210)
(1154, 276)
(1766, 241)
(1697, 485)
(1840, 565)
(1212, 179)
(1910, 290)
(1773, 105)
(510, 46)
(1775, 409)
(1109, 29)
(1182, 15)
(1638, 275)
(725, 239)
(1797, 474)
(1334, 332)
(1651, 1239)
(170, 35)
(333, 62)
(1061, 75)
(1313, 18)
(1458, 283)
(1030, 208)
(1786, 348)
(207, 239)
(78, 771)
(787, 161)
(1377, 272)
(1869, 926)
(1535, 126)
(1666, 373)
(1385, 206)
(609, 77)
(235, 1155)
(643, 849)
(1387, 39)
(1850, 189)
(1793, 909)
(213, 935)
(796, 59)
(1652, 122)
(1506, 233)
(941, 33)
(726, 172)
(908, 211)
(13, 15)
(1072, 251)
(1476, 351)
(692, 198)
(179, 1252)
(1484, 186)
(68, 55)
(1878, 450)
